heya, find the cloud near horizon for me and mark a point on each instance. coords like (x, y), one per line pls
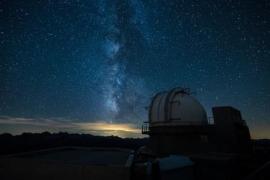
(18, 125)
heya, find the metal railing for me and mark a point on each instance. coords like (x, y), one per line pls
(145, 128)
(210, 120)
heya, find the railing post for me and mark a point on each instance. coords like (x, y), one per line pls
(145, 128)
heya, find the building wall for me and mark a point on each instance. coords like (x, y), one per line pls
(179, 139)
(231, 133)
(228, 134)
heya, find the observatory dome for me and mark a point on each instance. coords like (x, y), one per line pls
(176, 107)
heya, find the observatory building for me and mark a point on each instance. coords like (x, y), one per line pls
(178, 124)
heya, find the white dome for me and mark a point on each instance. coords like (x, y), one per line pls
(176, 107)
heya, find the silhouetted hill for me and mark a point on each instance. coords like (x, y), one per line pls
(34, 141)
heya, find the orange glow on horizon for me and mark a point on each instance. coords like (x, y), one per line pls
(105, 128)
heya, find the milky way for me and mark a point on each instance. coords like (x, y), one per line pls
(121, 91)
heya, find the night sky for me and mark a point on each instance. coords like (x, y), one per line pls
(92, 66)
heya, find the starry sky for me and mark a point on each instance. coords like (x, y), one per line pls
(93, 66)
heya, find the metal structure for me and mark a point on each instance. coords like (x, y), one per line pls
(176, 107)
(178, 124)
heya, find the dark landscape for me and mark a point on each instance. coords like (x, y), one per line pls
(37, 141)
(34, 142)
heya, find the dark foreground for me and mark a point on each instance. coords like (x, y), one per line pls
(119, 157)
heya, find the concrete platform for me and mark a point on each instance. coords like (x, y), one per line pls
(68, 163)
